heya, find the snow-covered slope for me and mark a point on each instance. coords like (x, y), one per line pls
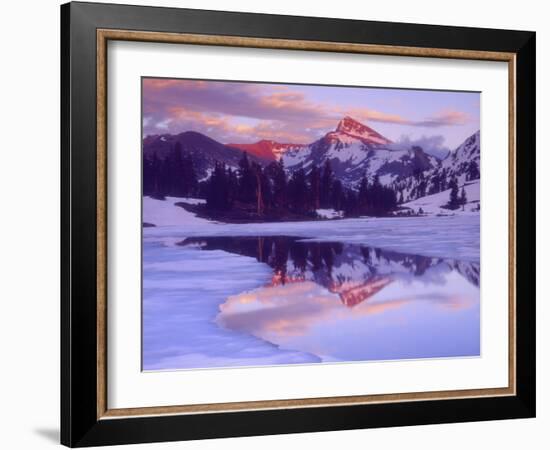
(434, 204)
(458, 163)
(461, 164)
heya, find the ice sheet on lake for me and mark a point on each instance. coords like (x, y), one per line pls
(182, 291)
(446, 237)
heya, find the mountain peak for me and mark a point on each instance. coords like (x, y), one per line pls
(348, 125)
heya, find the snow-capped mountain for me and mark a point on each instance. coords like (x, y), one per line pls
(267, 149)
(461, 164)
(355, 150)
(204, 150)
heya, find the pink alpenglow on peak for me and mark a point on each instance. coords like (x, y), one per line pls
(351, 127)
(267, 149)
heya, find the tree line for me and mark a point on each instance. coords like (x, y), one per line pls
(174, 175)
(270, 190)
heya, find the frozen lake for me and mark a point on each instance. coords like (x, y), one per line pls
(225, 295)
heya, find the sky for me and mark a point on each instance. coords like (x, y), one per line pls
(246, 112)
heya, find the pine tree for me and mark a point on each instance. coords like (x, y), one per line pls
(148, 176)
(277, 175)
(463, 199)
(473, 171)
(218, 192)
(314, 187)
(298, 191)
(326, 184)
(156, 166)
(174, 171)
(454, 202)
(232, 185)
(190, 181)
(364, 195)
(376, 195)
(337, 197)
(350, 204)
(247, 181)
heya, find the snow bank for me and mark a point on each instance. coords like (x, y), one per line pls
(433, 204)
(329, 213)
(166, 213)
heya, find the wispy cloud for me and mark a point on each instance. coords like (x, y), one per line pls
(434, 145)
(444, 118)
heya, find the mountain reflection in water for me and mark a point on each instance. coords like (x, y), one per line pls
(348, 302)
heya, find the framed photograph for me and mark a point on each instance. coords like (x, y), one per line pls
(276, 224)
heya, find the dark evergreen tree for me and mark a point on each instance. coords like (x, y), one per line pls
(454, 201)
(148, 176)
(232, 183)
(280, 185)
(164, 178)
(350, 204)
(363, 195)
(337, 195)
(463, 199)
(435, 184)
(276, 177)
(375, 193)
(375, 199)
(326, 183)
(218, 192)
(473, 171)
(174, 171)
(314, 180)
(247, 181)
(189, 175)
(298, 191)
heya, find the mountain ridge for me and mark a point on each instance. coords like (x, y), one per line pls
(353, 149)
